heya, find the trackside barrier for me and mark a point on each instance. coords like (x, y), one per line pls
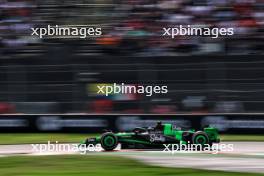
(61, 123)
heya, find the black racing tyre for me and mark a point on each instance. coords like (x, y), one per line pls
(109, 141)
(201, 138)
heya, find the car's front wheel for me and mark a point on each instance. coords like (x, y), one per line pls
(109, 141)
(200, 138)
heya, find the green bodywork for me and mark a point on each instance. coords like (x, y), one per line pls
(168, 131)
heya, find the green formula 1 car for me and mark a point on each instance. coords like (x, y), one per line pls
(154, 137)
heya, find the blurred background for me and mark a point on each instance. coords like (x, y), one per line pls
(47, 86)
(203, 75)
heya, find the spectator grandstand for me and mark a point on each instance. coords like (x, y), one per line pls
(202, 74)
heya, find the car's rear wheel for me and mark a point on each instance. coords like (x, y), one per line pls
(109, 141)
(200, 138)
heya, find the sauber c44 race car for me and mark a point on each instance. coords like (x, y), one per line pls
(154, 137)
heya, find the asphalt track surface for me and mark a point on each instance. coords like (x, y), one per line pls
(246, 156)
